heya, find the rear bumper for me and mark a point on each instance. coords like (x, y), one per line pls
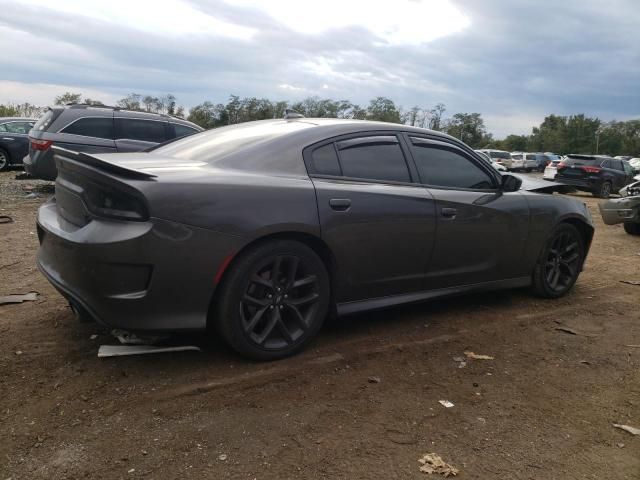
(41, 165)
(139, 276)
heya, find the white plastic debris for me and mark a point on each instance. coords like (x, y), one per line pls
(27, 297)
(446, 403)
(122, 350)
(475, 356)
(627, 428)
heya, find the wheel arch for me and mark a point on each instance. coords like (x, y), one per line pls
(585, 229)
(312, 241)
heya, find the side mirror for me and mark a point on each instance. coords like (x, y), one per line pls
(511, 183)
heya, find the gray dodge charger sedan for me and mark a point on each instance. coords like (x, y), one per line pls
(261, 230)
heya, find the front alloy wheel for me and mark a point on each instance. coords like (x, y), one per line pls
(560, 262)
(275, 300)
(4, 160)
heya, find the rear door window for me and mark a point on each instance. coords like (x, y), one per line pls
(18, 127)
(98, 127)
(373, 158)
(617, 164)
(324, 161)
(139, 129)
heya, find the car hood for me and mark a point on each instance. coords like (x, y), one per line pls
(543, 186)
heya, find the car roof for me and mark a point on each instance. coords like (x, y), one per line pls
(75, 111)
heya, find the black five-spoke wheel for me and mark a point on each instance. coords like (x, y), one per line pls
(274, 300)
(560, 262)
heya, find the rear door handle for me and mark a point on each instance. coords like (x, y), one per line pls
(340, 204)
(8, 138)
(449, 212)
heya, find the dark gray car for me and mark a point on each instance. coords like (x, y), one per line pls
(260, 230)
(92, 129)
(14, 140)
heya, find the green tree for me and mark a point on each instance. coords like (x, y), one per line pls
(468, 127)
(67, 97)
(384, 110)
(8, 111)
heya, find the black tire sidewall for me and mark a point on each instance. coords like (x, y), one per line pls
(601, 193)
(227, 314)
(632, 228)
(8, 160)
(539, 280)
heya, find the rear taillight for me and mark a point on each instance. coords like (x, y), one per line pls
(591, 169)
(113, 203)
(41, 145)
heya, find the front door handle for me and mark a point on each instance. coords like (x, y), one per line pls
(449, 212)
(340, 204)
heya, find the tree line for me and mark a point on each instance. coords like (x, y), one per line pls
(558, 134)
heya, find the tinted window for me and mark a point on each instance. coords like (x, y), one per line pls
(143, 130)
(183, 130)
(516, 157)
(91, 127)
(582, 161)
(17, 127)
(45, 120)
(325, 161)
(499, 154)
(445, 168)
(531, 157)
(374, 160)
(617, 164)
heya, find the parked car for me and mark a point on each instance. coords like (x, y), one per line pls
(499, 156)
(622, 157)
(91, 129)
(597, 174)
(551, 169)
(14, 140)
(625, 210)
(258, 230)
(494, 164)
(523, 161)
(635, 164)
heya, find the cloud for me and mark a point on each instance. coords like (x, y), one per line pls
(511, 60)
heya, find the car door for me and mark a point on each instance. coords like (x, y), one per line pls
(15, 138)
(481, 231)
(137, 134)
(376, 220)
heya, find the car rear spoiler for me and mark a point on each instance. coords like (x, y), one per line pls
(62, 155)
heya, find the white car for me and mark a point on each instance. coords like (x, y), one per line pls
(552, 168)
(524, 161)
(635, 164)
(494, 164)
(498, 156)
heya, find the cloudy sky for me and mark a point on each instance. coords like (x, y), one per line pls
(511, 60)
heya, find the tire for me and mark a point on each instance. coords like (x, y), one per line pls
(267, 316)
(604, 191)
(4, 160)
(560, 262)
(632, 228)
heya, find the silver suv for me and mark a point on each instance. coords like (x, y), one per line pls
(91, 129)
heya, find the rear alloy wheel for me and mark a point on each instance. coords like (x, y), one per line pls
(632, 228)
(274, 300)
(560, 262)
(4, 160)
(604, 191)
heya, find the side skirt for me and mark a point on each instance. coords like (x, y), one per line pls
(348, 308)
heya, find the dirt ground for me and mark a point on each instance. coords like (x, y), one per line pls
(543, 408)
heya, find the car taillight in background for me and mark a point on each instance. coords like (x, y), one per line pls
(41, 145)
(591, 169)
